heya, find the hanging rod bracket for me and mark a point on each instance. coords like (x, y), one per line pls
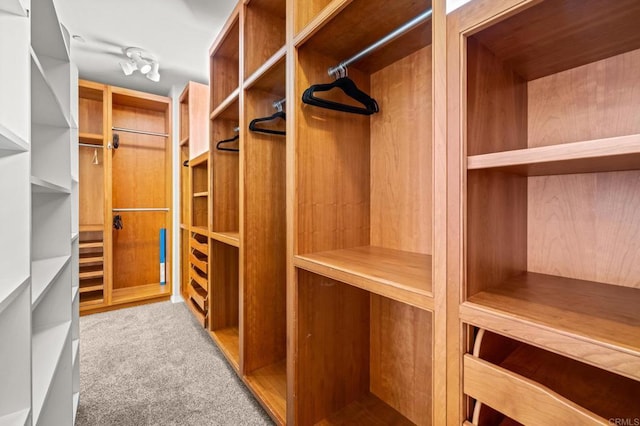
(278, 104)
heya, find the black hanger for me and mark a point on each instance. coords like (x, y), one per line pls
(350, 89)
(254, 128)
(233, 139)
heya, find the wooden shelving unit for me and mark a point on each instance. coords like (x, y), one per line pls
(111, 182)
(550, 200)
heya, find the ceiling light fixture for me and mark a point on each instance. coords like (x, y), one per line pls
(142, 61)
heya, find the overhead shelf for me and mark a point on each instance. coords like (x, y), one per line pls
(230, 238)
(91, 138)
(43, 273)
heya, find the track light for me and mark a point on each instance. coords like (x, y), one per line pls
(153, 75)
(142, 61)
(128, 67)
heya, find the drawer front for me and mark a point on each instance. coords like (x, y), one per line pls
(202, 281)
(198, 296)
(521, 399)
(199, 263)
(201, 247)
(200, 316)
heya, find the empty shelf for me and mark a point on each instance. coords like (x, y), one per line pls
(600, 155)
(41, 186)
(270, 386)
(200, 230)
(593, 322)
(16, 418)
(91, 244)
(89, 287)
(91, 228)
(228, 341)
(85, 275)
(368, 410)
(91, 138)
(398, 275)
(9, 141)
(9, 290)
(231, 238)
(48, 345)
(143, 292)
(43, 273)
(87, 259)
(201, 194)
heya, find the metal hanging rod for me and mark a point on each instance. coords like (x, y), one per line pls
(340, 69)
(140, 132)
(88, 145)
(142, 210)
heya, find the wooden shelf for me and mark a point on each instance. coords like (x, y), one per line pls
(567, 388)
(273, 66)
(90, 259)
(48, 346)
(600, 155)
(91, 138)
(593, 322)
(228, 341)
(230, 238)
(269, 384)
(199, 261)
(91, 288)
(200, 194)
(184, 140)
(9, 141)
(91, 228)
(143, 292)
(199, 295)
(90, 301)
(398, 275)
(91, 274)
(91, 244)
(43, 273)
(367, 410)
(200, 230)
(230, 100)
(16, 418)
(41, 186)
(202, 281)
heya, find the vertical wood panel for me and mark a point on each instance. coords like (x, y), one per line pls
(91, 186)
(597, 100)
(226, 178)
(223, 285)
(333, 354)
(401, 360)
(401, 155)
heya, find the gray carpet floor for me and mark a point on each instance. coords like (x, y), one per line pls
(153, 365)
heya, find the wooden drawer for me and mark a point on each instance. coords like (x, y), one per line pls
(199, 261)
(198, 295)
(200, 279)
(201, 246)
(536, 387)
(200, 316)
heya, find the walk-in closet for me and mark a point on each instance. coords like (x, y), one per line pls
(320, 212)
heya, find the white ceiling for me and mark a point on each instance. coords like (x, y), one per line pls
(178, 32)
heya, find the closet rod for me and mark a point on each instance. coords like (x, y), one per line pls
(140, 132)
(88, 145)
(142, 210)
(339, 70)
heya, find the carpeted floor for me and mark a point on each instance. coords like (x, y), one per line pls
(153, 365)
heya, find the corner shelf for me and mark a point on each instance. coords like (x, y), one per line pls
(599, 155)
(17, 418)
(398, 275)
(43, 273)
(45, 343)
(592, 322)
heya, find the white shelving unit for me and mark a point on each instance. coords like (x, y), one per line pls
(39, 360)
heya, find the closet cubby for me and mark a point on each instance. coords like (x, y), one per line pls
(264, 244)
(225, 63)
(264, 33)
(361, 357)
(552, 178)
(199, 169)
(501, 372)
(226, 176)
(91, 112)
(224, 303)
(364, 191)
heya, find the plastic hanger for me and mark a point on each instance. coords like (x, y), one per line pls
(350, 89)
(233, 139)
(254, 128)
